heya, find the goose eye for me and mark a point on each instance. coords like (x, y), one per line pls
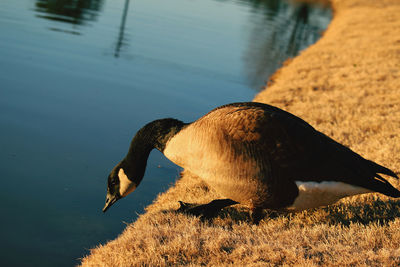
(111, 182)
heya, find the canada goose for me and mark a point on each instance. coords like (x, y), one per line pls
(254, 154)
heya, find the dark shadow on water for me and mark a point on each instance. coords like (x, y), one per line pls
(75, 12)
(79, 13)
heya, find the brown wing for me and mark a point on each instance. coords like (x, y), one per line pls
(303, 153)
(290, 149)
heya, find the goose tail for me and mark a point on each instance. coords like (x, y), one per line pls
(380, 184)
(383, 170)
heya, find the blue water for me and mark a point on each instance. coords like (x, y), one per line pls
(77, 80)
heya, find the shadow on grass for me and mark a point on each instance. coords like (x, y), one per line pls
(379, 212)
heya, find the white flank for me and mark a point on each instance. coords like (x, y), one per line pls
(314, 194)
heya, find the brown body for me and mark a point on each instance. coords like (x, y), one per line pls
(223, 148)
(254, 154)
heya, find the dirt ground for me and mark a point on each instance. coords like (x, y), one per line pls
(347, 85)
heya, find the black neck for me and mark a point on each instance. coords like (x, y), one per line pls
(153, 135)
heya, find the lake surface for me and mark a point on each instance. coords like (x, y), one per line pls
(79, 78)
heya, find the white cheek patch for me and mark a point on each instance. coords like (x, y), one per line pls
(125, 185)
(314, 194)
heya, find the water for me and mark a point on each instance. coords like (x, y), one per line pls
(79, 78)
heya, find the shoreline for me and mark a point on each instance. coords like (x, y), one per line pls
(346, 85)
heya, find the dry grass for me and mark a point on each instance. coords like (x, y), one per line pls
(359, 230)
(346, 85)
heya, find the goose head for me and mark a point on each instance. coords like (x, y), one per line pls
(127, 174)
(119, 185)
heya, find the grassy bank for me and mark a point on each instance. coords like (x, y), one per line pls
(347, 85)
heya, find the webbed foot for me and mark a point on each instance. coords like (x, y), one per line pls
(205, 211)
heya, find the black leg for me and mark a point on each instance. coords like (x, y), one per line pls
(208, 210)
(256, 215)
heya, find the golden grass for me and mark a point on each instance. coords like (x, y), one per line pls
(346, 85)
(359, 230)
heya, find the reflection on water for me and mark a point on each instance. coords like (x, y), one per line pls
(280, 31)
(78, 78)
(76, 12)
(120, 41)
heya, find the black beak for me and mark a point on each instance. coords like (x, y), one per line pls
(110, 200)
